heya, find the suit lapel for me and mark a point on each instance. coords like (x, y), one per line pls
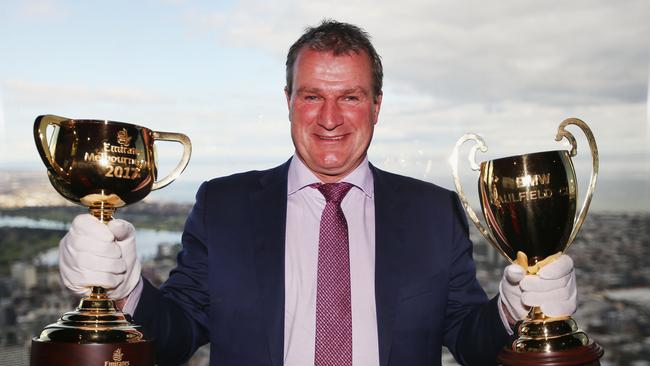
(269, 225)
(388, 236)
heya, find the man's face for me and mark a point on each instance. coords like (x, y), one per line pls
(332, 111)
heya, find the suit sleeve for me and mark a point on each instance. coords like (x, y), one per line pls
(175, 316)
(473, 330)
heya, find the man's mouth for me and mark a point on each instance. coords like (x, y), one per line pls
(330, 138)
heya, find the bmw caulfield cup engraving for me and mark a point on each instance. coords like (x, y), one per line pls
(102, 165)
(529, 204)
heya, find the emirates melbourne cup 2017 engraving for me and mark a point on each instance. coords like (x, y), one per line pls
(529, 204)
(103, 165)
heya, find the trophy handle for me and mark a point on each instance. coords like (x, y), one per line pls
(453, 160)
(187, 152)
(561, 132)
(42, 144)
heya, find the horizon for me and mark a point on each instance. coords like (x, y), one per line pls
(609, 196)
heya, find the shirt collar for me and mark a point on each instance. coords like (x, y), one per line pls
(300, 177)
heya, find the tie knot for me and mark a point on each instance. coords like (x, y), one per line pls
(333, 192)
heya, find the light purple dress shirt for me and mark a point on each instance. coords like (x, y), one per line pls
(304, 209)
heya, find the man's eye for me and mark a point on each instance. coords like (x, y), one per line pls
(311, 98)
(351, 98)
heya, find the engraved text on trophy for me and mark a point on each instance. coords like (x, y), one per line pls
(117, 359)
(121, 161)
(528, 188)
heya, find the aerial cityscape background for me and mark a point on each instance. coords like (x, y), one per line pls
(510, 71)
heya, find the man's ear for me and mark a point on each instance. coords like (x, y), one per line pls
(288, 96)
(376, 108)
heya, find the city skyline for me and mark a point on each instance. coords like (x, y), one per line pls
(510, 71)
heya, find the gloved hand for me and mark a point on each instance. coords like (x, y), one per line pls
(96, 254)
(553, 289)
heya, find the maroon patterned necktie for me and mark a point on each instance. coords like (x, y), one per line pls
(333, 302)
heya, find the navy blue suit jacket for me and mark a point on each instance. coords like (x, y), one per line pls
(228, 286)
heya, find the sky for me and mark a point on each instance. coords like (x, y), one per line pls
(510, 71)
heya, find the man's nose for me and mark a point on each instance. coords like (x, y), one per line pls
(330, 115)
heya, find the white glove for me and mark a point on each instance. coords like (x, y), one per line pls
(553, 289)
(95, 254)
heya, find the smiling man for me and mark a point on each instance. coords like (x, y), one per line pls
(333, 109)
(324, 260)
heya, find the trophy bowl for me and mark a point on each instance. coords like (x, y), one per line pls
(102, 165)
(529, 204)
(517, 194)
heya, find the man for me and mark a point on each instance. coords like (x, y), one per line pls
(324, 260)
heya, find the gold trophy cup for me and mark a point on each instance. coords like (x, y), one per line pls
(529, 205)
(102, 165)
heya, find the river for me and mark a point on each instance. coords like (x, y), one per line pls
(147, 240)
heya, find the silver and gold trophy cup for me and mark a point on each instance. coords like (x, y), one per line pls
(102, 165)
(529, 204)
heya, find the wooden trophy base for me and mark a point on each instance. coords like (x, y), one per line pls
(96, 333)
(91, 354)
(581, 356)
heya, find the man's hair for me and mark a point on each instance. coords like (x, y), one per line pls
(338, 38)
